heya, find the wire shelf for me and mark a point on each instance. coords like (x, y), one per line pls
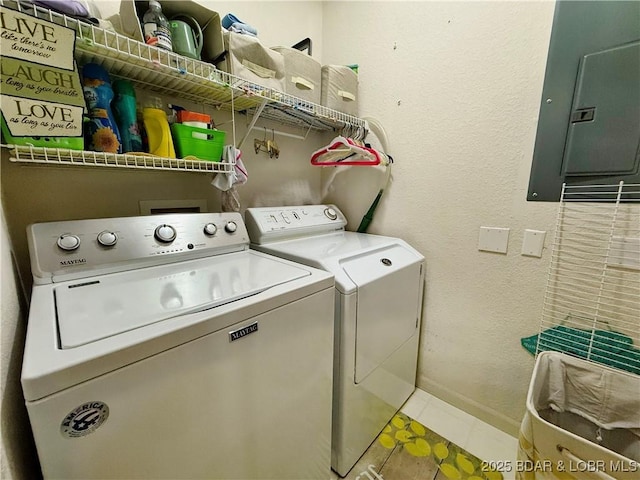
(59, 156)
(172, 74)
(592, 301)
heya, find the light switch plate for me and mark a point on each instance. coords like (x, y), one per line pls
(533, 243)
(493, 239)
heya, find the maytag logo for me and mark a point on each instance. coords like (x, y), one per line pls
(71, 263)
(243, 332)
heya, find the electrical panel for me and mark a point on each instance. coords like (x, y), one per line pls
(589, 123)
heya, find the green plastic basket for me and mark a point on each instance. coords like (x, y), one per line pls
(188, 144)
(72, 143)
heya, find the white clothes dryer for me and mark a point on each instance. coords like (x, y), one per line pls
(378, 304)
(162, 347)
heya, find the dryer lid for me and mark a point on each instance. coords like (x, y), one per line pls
(332, 252)
(100, 307)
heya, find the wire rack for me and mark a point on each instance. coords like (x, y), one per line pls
(592, 301)
(59, 156)
(170, 74)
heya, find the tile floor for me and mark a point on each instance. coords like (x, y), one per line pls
(475, 436)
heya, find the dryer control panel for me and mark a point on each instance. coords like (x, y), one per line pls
(80, 248)
(268, 224)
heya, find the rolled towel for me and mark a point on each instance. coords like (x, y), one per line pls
(241, 28)
(231, 20)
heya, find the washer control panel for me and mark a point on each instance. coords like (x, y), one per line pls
(82, 247)
(267, 224)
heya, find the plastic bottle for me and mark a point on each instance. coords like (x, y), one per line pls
(124, 111)
(158, 130)
(194, 119)
(101, 131)
(155, 27)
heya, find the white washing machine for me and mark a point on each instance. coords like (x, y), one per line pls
(378, 305)
(162, 347)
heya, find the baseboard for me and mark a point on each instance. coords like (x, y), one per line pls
(487, 415)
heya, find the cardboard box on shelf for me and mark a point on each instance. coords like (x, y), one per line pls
(131, 13)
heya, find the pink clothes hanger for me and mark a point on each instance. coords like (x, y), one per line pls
(345, 151)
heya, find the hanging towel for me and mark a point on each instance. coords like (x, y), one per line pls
(227, 182)
(239, 176)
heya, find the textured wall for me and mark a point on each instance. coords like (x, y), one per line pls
(17, 452)
(457, 86)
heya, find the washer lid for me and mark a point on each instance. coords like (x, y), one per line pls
(100, 307)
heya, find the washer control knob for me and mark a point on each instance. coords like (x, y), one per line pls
(210, 229)
(165, 233)
(231, 227)
(330, 213)
(107, 238)
(68, 242)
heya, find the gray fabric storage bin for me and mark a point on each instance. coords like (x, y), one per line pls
(247, 58)
(303, 74)
(339, 89)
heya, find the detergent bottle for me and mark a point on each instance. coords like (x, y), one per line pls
(158, 131)
(124, 110)
(101, 131)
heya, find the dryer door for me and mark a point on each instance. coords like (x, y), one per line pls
(389, 292)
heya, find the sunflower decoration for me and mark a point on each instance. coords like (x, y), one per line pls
(416, 440)
(104, 140)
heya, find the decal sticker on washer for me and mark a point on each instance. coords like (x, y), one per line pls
(84, 419)
(243, 332)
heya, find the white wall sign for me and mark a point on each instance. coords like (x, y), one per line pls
(33, 118)
(40, 82)
(35, 40)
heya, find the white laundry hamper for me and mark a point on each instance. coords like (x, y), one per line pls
(582, 422)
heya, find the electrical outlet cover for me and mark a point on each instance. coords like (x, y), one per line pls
(493, 239)
(533, 243)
